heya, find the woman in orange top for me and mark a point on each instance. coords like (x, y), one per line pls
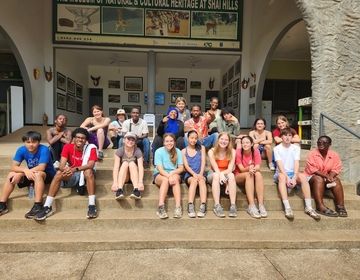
(322, 168)
(222, 159)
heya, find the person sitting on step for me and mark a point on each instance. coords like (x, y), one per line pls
(248, 175)
(140, 127)
(323, 167)
(281, 123)
(230, 124)
(170, 124)
(97, 126)
(222, 160)
(194, 158)
(115, 134)
(214, 109)
(184, 113)
(76, 168)
(262, 140)
(57, 137)
(287, 175)
(128, 164)
(39, 171)
(168, 168)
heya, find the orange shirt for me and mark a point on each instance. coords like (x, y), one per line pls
(315, 162)
(222, 164)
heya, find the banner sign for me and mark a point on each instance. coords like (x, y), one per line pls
(215, 24)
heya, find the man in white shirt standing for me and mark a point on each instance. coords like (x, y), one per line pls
(140, 127)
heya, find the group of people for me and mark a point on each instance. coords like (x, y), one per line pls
(185, 142)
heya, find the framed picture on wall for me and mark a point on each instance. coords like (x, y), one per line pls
(133, 83)
(238, 66)
(195, 84)
(252, 91)
(195, 98)
(71, 103)
(236, 86)
(60, 101)
(225, 96)
(177, 85)
(113, 84)
(114, 98)
(70, 86)
(159, 98)
(79, 91)
(133, 97)
(230, 73)
(236, 100)
(174, 96)
(79, 104)
(60, 81)
(128, 108)
(230, 90)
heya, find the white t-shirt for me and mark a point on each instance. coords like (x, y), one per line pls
(138, 128)
(288, 156)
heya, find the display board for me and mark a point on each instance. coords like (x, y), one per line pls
(214, 24)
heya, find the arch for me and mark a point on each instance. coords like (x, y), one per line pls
(24, 74)
(265, 68)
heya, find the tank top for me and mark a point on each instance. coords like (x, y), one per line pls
(195, 161)
(222, 164)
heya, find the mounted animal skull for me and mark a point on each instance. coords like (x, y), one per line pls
(253, 75)
(48, 74)
(211, 82)
(96, 80)
(245, 83)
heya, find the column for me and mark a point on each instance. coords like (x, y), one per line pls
(151, 82)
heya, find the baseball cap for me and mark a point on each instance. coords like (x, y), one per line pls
(130, 135)
(121, 112)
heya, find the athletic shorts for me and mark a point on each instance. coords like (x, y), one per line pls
(25, 182)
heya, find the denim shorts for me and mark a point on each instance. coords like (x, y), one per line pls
(72, 182)
(276, 176)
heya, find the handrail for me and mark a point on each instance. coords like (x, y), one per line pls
(321, 125)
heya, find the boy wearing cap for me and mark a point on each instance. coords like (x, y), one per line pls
(128, 164)
(115, 129)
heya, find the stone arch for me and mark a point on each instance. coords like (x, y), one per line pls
(24, 74)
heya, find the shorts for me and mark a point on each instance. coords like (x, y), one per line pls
(261, 148)
(187, 175)
(276, 177)
(25, 182)
(72, 182)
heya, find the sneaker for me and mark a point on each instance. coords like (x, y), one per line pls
(100, 155)
(271, 166)
(312, 213)
(3, 208)
(253, 212)
(232, 211)
(33, 211)
(219, 211)
(119, 194)
(191, 210)
(202, 210)
(262, 211)
(81, 189)
(92, 212)
(289, 214)
(56, 164)
(161, 212)
(177, 212)
(43, 213)
(136, 194)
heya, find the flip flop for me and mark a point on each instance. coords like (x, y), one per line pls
(328, 212)
(341, 211)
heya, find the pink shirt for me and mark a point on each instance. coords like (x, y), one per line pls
(316, 162)
(246, 160)
(201, 126)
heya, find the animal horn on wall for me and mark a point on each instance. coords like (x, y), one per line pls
(211, 82)
(36, 73)
(96, 80)
(48, 74)
(245, 83)
(253, 75)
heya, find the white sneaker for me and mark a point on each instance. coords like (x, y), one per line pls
(177, 212)
(312, 213)
(289, 214)
(253, 212)
(271, 166)
(262, 211)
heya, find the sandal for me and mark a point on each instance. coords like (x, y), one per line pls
(328, 212)
(341, 211)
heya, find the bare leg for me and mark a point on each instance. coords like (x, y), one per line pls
(192, 189)
(259, 186)
(203, 191)
(232, 188)
(134, 174)
(338, 192)
(177, 191)
(90, 181)
(301, 179)
(8, 186)
(101, 138)
(163, 183)
(282, 186)
(215, 186)
(268, 152)
(250, 188)
(123, 174)
(39, 185)
(317, 184)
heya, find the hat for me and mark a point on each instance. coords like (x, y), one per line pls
(121, 112)
(130, 135)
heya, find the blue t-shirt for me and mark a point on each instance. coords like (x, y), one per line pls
(162, 157)
(41, 156)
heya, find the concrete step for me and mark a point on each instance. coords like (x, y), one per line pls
(139, 220)
(174, 238)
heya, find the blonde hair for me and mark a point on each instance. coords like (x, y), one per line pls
(172, 152)
(229, 147)
(283, 118)
(179, 99)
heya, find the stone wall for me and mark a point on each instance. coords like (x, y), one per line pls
(334, 29)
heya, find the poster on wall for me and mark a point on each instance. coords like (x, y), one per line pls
(199, 24)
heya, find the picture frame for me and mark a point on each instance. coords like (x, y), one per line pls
(195, 84)
(60, 101)
(230, 90)
(159, 98)
(114, 98)
(238, 66)
(195, 99)
(174, 96)
(225, 96)
(128, 108)
(60, 81)
(71, 103)
(133, 83)
(70, 84)
(224, 80)
(252, 109)
(113, 111)
(113, 84)
(252, 91)
(79, 91)
(79, 104)
(230, 73)
(235, 86)
(236, 100)
(177, 85)
(133, 97)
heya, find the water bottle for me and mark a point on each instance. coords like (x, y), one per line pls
(31, 193)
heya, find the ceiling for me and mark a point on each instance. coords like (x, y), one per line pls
(293, 46)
